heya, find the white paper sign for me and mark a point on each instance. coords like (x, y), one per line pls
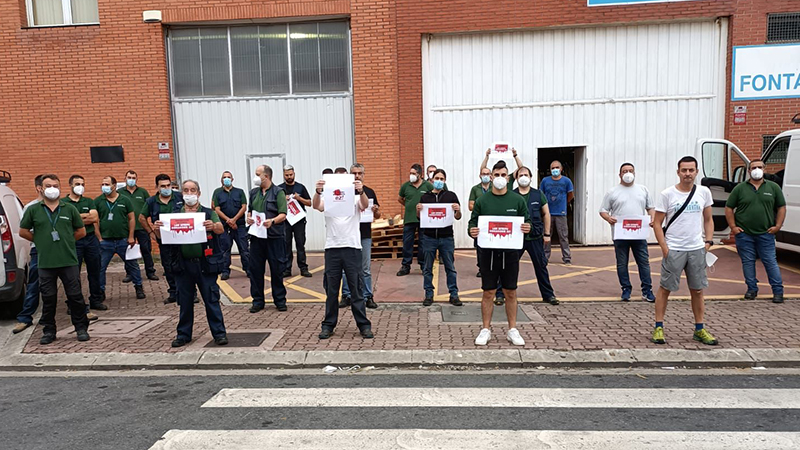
(436, 215)
(339, 195)
(711, 259)
(501, 232)
(633, 228)
(132, 253)
(294, 212)
(367, 216)
(501, 151)
(258, 229)
(183, 228)
(766, 71)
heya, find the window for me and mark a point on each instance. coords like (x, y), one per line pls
(784, 27)
(775, 160)
(42, 13)
(264, 60)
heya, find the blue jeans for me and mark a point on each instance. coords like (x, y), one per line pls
(642, 258)
(409, 232)
(110, 247)
(31, 302)
(761, 246)
(366, 272)
(145, 245)
(239, 235)
(446, 248)
(187, 279)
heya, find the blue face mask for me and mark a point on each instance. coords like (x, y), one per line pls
(555, 172)
(227, 182)
(130, 182)
(438, 185)
(166, 192)
(106, 189)
(486, 179)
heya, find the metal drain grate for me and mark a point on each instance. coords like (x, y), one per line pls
(471, 313)
(243, 339)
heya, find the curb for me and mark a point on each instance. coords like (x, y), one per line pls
(229, 360)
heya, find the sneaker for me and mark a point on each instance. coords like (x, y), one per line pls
(428, 301)
(455, 301)
(499, 301)
(91, 316)
(514, 337)
(222, 340)
(152, 277)
(83, 335)
(658, 336)
(305, 273)
(326, 333)
(404, 270)
(705, 337)
(346, 301)
(179, 342)
(99, 307)
(47, 339)
(648, 296)
(552, 300)
(483, 337)
(127, 279)
(20, 327)
(224, 276)
(626, 295)
(567, 263)
(139, 292)
(777, 298)
(371, 303)
(750, 295)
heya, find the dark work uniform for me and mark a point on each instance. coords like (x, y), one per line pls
(230, 203)
(271, 250)
(88, 250)
(534, 241)
(138, 198)
(153, 208)
(298, 230)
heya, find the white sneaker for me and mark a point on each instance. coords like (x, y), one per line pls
(483, 337)
(514, 337)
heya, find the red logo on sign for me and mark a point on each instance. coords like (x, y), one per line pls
(258, 220)
(181, 225)
(437, 213)
(338, 195)
(632, 224)
(500, 229)
(293, 208)
(501, 148)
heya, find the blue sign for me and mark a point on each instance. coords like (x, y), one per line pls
(627, 2)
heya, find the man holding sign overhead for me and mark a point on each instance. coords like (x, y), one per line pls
(436, 211)
(504, 218)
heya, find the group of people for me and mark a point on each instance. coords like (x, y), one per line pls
(70, 230)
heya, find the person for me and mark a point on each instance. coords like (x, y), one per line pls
(559, 192)
(628, 199)
(230, 204)
(687, 211)
(430, 172)
(270, 200)
(343, 253)
(540, 232)
(439, 240)
(499, 264)
(31, 302)
(55, 227)
(87, 248)
(479, 189)
(327, 171)
(297, 191)
(116, 225)
(196, 266)
(138, 195)
(409, 195)
(165, 201)
(755, 212)
(365, 231)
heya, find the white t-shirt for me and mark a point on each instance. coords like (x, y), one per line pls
(344, 232)
(686, 233)
(626, 201)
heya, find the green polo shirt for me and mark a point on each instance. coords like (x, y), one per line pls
(137, 198)
(163, 208)
(196, 250)
(260, 199)
(508, 204)
(117, 227)
(412, 195)
(754, 210)
(53, 253)
(477, 191)
(84, 206)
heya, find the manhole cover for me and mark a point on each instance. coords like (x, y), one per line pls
(243, 339)
(471, 313)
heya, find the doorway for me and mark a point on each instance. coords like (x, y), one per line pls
(573, 162)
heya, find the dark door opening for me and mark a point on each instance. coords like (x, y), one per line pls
(565, 155)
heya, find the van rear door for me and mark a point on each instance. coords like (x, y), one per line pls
(724, 166)
(782, 154)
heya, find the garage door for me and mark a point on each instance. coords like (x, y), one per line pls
(642, 94)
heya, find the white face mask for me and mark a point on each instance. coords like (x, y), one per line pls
(256, 181)
(628, 177)
(190, 199)
(499, 183)
(412, 178)
(78, 190)
(757, 174)
(52, 193)
(524, 181)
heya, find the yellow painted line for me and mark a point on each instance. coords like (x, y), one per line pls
(232, 294)
(310, 292)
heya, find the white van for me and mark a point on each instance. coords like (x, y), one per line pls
(724, 165)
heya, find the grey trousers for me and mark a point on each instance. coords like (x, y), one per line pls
(559, 227)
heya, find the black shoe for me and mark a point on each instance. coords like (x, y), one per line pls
(455, 301)
(777, 298)
(404, 270)
(427, 302)
(127, 279)
(83, 335)
(366, 333)
(499, 301)
(305, 273)
(256, 308)
(179, 342)
(169, 300)
(371, 303)
(139, 292)
(552, 301)
(222, 340)
(326, 333)
(47, 339)
(195, 300)
(152, 277)
(750, 295)
(99, 307)
(478, 275)
(282, 308)
(224, 276)
(346, 301)
(286, 274)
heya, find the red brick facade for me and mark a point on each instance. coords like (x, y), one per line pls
(65, 89)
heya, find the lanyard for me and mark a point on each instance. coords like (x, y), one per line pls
(50, 216)
(111, 208)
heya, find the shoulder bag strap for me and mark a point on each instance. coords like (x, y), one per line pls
(683, 207)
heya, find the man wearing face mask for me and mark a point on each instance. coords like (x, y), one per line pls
(478, 190)
(269, 199)
(55, 227)
(755, 212)
(559, 192)
(31, 302)
(629, 200)
(88, 247)
(138, 195)
(295, 190)
(410, 193)
(164, 202)
(117, 222)
(230, 204)
(540, 232)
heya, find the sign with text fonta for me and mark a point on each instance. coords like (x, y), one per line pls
(766, 72)
(627, 2)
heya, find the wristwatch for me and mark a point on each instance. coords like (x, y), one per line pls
(710, 242)
(547, 234)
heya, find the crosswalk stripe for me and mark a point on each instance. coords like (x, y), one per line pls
(471, 439)
(507, 398)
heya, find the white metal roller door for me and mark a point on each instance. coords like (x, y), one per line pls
(641, 93)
